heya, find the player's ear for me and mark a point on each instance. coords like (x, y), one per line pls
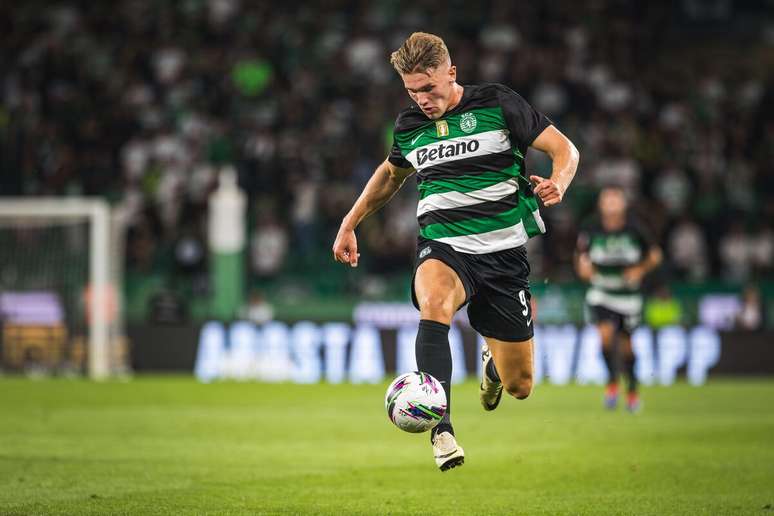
(453, 73)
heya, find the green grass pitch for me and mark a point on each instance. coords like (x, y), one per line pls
(168, 445)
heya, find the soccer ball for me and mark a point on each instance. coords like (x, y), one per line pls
(415, 402)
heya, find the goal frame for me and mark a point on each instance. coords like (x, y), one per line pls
(98, 214)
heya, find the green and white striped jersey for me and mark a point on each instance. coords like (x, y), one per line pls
(473, 191)
(611, 252)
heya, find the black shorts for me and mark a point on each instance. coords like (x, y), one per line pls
(625, 323)
(496, 288)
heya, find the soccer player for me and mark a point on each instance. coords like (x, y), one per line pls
(614, 253)
(476, 211)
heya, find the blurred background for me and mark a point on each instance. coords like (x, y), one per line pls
(227, 139)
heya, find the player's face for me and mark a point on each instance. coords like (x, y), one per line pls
(612, 202)
(432, 90)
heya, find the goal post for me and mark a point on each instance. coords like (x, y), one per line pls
(100, 295)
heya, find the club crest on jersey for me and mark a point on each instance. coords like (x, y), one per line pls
(427, 250)
(468, 122)
(442, 128)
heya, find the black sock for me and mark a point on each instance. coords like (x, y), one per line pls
(629, 367)
(434, 357)
(491, 372)
(609, 355)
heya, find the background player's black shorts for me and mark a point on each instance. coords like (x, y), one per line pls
(625, 323)
(496, 287)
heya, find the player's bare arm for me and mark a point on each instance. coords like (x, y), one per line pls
(583, 266)
(635, 273)
(387, 180)
(564, 157)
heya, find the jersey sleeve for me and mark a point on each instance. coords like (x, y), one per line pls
(644, 235)
(586, 232)
(524, 122)
(396, 156)
(584, 240)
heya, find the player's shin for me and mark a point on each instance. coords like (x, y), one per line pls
(434, 357)
(631, 377)
(608, 354)
(611, 391)
(633, 403)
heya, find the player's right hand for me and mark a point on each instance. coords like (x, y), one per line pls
(584, 267)
(345, 247)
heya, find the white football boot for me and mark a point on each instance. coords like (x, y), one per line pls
(490, 391)
(448, 454)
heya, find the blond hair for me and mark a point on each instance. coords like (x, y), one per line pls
(419, 53)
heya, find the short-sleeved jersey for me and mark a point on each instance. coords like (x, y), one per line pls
(611, 252)
(473, 190)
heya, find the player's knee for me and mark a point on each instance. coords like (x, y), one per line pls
(520, 388)
(606, 335)
(436, 307)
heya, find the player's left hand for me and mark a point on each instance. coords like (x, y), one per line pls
(547, 190)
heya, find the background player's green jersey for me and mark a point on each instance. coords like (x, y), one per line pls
(611, 252)
(473, 190)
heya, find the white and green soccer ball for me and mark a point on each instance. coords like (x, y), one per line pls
(415, 402)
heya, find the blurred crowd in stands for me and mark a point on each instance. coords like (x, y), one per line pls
(144, 102)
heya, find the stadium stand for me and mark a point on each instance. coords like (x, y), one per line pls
(143, 103)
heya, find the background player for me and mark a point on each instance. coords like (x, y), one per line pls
(614, 253)
(476, 212)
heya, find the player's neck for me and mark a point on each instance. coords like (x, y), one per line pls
(456, 97)
(614, 223)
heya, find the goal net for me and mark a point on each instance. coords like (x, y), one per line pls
(60, 288)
